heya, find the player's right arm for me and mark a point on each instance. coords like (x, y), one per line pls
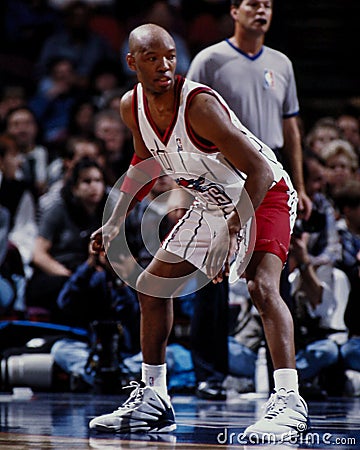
(129, 120)
(138, 174)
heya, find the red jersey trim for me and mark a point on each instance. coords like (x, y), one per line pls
(134, 106)
(164, 138)
(200, 143)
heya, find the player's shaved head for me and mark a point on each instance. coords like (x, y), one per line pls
(146, 35)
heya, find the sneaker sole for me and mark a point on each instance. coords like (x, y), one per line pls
(136, 428)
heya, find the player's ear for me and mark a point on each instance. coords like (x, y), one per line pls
(130, 61)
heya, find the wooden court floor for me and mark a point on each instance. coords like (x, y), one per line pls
(60, 421)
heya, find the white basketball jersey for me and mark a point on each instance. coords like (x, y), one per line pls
(193, 163)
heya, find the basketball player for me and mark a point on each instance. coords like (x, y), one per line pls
(198, 141)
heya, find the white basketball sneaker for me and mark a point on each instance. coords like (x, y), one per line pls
(144, 411)
(285, 418)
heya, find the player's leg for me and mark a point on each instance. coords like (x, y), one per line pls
(286, 412)
(263, 275)
(156, 286)
(183, 250)
(148, 408)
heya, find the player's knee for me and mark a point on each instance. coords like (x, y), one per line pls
(262, 292)
(150, 285)
(142, 282)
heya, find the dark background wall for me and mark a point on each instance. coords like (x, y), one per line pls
(322, 39)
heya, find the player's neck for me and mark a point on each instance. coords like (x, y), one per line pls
(161, 104)
(161, 109)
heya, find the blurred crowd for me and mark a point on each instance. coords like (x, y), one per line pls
(63, 146)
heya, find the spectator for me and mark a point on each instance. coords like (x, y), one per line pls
(61, 168)
(22, 124)
(94, 292)
(323, 241)
(6, 291)
(94, 298)
(17, 198)
(12, 96)
(109, 127)
(320, 300)
(77, 43)
(112, 99)
(342, 164)
(12, 276)
(105, 78)
(350, 130)
(4, 232)
(81, 117)
(64, 230)
(323, 131)
(53, 100)
(348, 201)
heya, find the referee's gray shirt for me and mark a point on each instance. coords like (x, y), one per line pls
(260, 89)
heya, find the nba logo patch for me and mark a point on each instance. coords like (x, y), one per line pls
(269, 79)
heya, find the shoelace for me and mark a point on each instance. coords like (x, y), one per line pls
(136, 395)
(274, 406)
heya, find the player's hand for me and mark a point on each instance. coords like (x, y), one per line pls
(222, 249)
(101, 238)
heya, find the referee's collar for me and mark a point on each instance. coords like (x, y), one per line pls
(252, 58)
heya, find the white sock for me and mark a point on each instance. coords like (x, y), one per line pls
(155, 377)
(286, 379)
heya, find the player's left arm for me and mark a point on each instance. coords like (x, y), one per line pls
(211, 121)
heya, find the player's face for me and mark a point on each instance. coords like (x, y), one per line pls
(155, 64)
(253, 14)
